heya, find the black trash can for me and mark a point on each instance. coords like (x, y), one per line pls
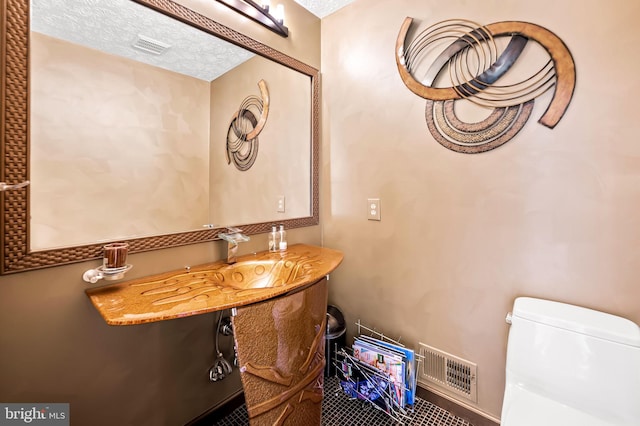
(335, 338)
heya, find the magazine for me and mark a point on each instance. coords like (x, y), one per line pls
(410, 381)
(387, 361)
(362, 381)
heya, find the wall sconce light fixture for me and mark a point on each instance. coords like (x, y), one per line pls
(260, 13)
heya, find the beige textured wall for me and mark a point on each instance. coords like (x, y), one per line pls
(55, 347)
(284, 152)
(551, 214)
(108, 153)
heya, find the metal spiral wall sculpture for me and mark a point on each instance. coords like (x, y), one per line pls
(246, 125)
(473, 64)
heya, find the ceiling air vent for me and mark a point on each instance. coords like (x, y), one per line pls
(149, 45)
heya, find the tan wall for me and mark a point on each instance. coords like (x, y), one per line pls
(55, 347)
(107, 132)
(551, 214)
(284, 152)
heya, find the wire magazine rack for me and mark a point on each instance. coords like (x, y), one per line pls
(344, 359)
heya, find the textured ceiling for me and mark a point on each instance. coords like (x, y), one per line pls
(113, 26)
(322, 8)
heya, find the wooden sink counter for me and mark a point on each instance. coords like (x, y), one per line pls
(213, 286)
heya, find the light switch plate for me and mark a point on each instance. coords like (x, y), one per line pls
(280, 204)
(373, 207)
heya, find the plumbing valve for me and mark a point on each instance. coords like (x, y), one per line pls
(226, 328)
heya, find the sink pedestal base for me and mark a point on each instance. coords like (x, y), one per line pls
(280, 346)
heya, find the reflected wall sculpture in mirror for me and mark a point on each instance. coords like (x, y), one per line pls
(16, 252)
(246, 124)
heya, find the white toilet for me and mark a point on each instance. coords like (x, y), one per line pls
(570, 366)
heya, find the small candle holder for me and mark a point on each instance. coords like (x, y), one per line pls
(114, 264)
(115, 255)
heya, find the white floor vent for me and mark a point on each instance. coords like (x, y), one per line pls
(448, 372)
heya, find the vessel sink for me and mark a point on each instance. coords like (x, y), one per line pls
(254, 274)
(214, 286)
(242, 275)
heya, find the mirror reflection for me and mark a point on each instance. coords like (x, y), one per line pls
(129, 142)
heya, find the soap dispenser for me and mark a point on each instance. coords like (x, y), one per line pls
(273, 239)
(282, 239)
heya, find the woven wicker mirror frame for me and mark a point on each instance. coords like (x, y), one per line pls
(14, 143)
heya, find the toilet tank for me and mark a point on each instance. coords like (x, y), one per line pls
(574, 357)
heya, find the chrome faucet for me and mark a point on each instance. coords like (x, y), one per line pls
(233, 236)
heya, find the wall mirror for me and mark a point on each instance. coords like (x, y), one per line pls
(115, 160)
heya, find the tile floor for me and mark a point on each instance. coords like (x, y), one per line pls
(339, 410)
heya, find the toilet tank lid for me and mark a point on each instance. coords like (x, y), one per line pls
(578, 319)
